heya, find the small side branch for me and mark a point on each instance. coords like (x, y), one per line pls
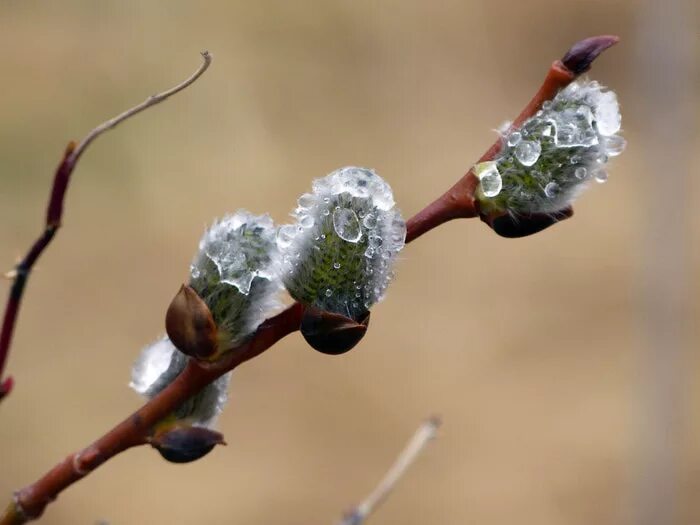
(54, 214)
(425, 433)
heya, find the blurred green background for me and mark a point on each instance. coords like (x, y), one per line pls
(564, 364)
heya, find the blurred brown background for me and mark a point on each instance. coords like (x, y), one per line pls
(564, 364)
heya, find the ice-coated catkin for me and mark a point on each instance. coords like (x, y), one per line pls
(545, 163)
(338, 255)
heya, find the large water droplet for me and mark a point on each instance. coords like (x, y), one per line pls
(514, 138)
(346, 225)
(580, 172)
(489, 178)
(527, 152)
(614, 145)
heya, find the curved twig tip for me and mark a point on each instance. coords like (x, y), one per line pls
(580, 56)
(6, 386)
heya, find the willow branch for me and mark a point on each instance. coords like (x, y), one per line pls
(30, 502)
(54, 214)
(425, 433)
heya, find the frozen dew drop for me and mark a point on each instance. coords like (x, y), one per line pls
(374, 241)
(489, 178)
(370, 221)
(580, 173)
(551, 190)
(369, 252)
(514, 138)
(585, 113)
(336, 265)
(607, 114)
(306, 221)
(346, 225)
(600, 175)
(527, 152)
(329, 292)
(614, 145)
(306, 201)
(285, 236)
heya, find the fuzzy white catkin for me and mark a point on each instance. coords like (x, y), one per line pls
(158, 366)
(553, 156)
(234, 272)
(339, 254)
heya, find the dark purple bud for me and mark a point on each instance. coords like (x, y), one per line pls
(510, 226)
(582, 54)
(332, 333)
(183, 444)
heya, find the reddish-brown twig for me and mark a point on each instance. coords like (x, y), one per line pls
(30, 502)
(457, 202)
(54, 214)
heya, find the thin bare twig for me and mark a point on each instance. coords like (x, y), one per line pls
(30, 502)
(54, 214)
(425, 433)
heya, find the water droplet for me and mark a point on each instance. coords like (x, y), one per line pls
(600, 175)
(489, 178)
(346, 225)
(514, 138)
(336, 265)
(370, 221)
(194, 272)
(374, 241)
(369, 252)
(285, 235)
(329, 292)
(547, 105)
(306, 221)
(326, 212)
(580, 172)
(551, 190)
(614, 145)
(527, 152)
(306, 201)
(585, 113)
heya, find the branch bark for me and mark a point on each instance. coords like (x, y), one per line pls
(54, 214)
(458, 202)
